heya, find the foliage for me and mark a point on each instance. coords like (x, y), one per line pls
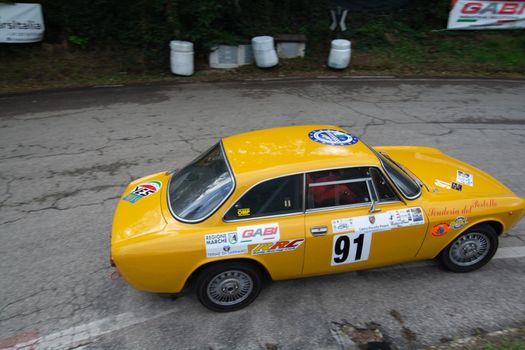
(78, 41)
(145, 27)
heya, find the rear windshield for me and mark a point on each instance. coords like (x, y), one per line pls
(197, 190)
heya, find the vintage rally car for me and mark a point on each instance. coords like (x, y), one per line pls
(300, 201)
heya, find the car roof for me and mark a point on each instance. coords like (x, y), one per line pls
(292, 149)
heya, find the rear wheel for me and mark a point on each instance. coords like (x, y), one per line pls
(471, 250)
(228, 286)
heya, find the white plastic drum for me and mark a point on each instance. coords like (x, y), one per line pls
(340, 53)
(264, 52)
(181, 57)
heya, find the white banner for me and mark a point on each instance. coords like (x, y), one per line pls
(485, 14)
(21, 23)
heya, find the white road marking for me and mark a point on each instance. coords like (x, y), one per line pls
(510, 252)
(82, 334)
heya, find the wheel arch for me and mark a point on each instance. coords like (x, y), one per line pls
(495, 224)
(265, 274)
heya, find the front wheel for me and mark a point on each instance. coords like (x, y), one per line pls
(228, 286)
(471, 250)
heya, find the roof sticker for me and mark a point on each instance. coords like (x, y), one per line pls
(332, 137)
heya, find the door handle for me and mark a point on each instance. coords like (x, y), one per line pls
(319, 230)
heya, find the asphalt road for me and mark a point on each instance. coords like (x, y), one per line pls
(65, 158)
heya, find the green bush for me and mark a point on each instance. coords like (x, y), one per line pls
(146, 26)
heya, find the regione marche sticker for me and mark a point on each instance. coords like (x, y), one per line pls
(222, 244)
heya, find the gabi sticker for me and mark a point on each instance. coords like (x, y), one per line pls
(143, 190)
(459, 222)
(440, 229)
(332, 137)
(222, 244)
(277, 247)
(465, 178)
(258, 233)
(443, 184)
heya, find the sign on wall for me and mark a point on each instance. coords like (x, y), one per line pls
(483, 14)
(21, 23)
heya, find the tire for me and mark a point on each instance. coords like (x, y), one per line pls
(470, 250)
(228, 286)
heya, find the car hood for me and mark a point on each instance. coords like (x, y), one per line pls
(438, 171)
(139, 211)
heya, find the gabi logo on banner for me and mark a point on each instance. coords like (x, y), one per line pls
(485, 14)
(21, 23)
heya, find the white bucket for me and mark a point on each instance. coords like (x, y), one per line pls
(181, 57)
(264, 52)
(340, 52)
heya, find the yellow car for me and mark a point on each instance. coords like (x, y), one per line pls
(300, 201)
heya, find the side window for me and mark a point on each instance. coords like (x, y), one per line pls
(338, 187)
(283, 195)
(382, 188)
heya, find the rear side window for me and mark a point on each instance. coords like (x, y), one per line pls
(278, 196)
(338, 187)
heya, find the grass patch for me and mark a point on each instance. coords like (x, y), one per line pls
(377, 49)
(509, 339)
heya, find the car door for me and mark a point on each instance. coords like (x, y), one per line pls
(269, 220)
(341, 232)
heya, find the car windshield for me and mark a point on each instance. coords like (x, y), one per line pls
(197, 190)
(408, 186)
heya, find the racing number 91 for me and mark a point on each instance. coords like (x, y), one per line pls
(351, 247)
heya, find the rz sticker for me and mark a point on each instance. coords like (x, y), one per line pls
(351, 247)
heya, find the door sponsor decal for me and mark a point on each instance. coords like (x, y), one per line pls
(143, 190)
(222, 244)
(276, 247)
(350, 248)
(379, 222)
(342, 225)
(465, 178)
(233, 243)
(406, 217)
(354, 246)
(371, 223)
(258, 233)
